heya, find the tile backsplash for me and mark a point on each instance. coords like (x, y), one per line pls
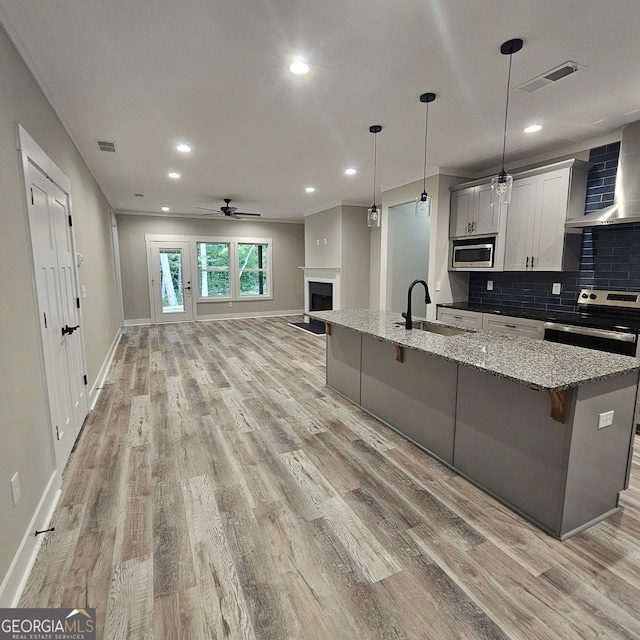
(610, 257)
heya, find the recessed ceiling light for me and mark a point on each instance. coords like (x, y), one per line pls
(183, 148)
(166, 209)
(299, 67)
(310, 189)
(532, 128)
(174, 175)
(350, 171)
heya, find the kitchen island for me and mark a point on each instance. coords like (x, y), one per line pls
(545, 428)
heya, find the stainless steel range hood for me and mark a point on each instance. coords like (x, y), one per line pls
(626, 207)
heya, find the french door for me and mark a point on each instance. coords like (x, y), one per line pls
(170, 281)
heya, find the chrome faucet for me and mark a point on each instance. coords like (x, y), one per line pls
(427, 300)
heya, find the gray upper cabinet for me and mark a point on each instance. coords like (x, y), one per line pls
(542, 201)
(472, 213)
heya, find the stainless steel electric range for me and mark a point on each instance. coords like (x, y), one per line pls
(605, 320)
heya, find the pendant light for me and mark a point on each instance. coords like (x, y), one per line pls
(423, 203)
(502, 183)
(373, 213)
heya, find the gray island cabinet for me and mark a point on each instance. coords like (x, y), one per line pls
(528, 421)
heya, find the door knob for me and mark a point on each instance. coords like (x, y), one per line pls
(67, 330)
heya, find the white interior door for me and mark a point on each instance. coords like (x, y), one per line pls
(56, 285)
(170, 281)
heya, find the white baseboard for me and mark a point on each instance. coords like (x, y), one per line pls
(136, 321)
(251, 314)
(226, 316)
(16, 577)
(104, 370)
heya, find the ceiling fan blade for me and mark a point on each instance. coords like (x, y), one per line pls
(205, 209)
(242, 213)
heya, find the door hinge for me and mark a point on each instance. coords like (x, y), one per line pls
(70, 221)
(85, 379)
(57, 433)
(78, 302)
(45, 320)
(32, 200)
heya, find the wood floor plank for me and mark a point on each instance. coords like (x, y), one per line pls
(130, 605)
(225, 612)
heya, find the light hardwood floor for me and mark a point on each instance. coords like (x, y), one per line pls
(220, 490)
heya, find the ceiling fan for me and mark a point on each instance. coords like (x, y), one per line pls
(229, 211)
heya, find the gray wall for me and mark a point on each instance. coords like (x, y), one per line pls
(356, 241)
(288, 255)
(323, 238)
(23, 409)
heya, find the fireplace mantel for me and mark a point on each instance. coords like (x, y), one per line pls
(322, 274)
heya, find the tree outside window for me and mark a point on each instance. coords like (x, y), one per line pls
(253, 269)
(213, 269)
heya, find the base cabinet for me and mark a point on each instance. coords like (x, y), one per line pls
(564, 477)
(417, 396)
(343, 362)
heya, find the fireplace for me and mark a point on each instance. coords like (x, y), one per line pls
(320, 296)
(321, 289)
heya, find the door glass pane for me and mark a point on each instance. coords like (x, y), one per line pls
(171, 281)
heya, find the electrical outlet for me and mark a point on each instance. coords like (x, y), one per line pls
(605, 419)
(15, 488)
(489, 285)
(556, 288)
(230, 304)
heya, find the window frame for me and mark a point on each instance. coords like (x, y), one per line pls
(266, 270)
(198, 275)
(234, 268)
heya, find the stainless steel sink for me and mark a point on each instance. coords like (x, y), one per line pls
(433, 327)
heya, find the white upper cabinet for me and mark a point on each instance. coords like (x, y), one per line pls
(542, 201)
(472, 213)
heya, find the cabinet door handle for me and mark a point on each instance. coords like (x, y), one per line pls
(532, 261)
(510, 326)
(473, 226)
(468, 227)
(526, 266)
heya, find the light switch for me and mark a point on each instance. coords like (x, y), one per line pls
(489, 285)
(83, 290)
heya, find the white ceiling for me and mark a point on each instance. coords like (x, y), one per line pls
(150, 73)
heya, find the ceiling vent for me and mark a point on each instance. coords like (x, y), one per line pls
(106, 145)
(549, 77)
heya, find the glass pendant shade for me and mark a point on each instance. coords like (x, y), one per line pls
(373, 216)
(501, 188)
(423, 206)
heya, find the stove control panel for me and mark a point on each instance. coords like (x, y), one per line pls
(603, 298)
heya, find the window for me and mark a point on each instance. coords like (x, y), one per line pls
(213, 269)
(231, 269)
(252, 269)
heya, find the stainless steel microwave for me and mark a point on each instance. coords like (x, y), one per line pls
(473, 253)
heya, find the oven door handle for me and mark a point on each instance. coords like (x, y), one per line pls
(589, 331)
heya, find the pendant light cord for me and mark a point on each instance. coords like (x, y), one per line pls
(424, 174)
(375, 165)
(506, 112)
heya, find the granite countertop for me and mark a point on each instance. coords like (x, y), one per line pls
(541, 365)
